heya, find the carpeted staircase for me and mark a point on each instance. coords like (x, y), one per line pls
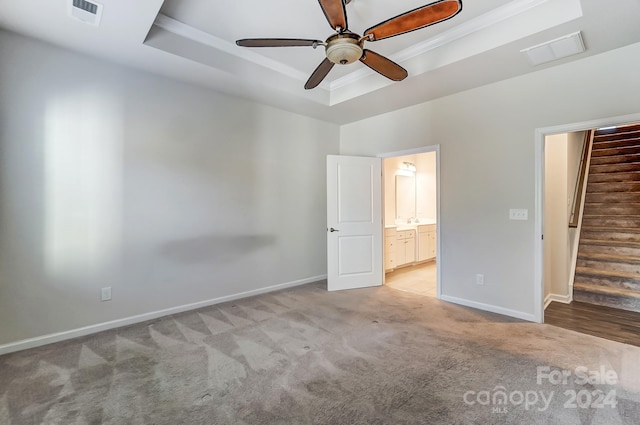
(608, 267)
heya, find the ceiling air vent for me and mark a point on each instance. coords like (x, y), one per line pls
(559, 48)
(85, 11)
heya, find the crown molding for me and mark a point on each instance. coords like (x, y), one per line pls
(469, 27)
(179, 28)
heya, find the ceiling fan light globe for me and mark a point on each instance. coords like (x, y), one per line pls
(343, 51)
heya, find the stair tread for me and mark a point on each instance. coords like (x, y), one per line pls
(629, 197)
(601, 145)
(611, 212)
(605, 273)
(630, 155)
(621, 182)
(613, 197)
(613, 229)
(606, 290)
(610, 216)
(615, 177)
(609, 242)
(609, 257)
(604, 204)
(620, 137)
(634, 165)
(614, 191)
(618, 183)
(613, 151)
(623, 141)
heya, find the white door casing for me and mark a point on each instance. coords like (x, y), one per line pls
(354, 222)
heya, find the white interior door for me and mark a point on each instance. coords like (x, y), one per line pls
(354, 222)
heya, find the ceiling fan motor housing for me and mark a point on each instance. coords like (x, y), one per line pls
(343, 49)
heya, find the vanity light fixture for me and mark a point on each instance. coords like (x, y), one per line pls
(408, 166)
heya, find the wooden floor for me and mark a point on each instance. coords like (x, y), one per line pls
(605, 322)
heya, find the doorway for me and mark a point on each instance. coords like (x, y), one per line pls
(410, 216)
(564, 155)
(539, 250)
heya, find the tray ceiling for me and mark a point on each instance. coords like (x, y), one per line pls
(194, 41)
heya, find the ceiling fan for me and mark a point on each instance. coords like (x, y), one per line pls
(346, 47)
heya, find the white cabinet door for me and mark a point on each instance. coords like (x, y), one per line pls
(410, 247)
(390, 260)
(433, 243)
(390, 249)
(423, 246)
(401, 254)
(426, 242)
(406, 247)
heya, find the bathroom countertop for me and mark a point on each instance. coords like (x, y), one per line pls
(410, 226)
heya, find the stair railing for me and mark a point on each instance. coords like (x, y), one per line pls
(581, 180)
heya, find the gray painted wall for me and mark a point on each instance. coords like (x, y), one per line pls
(167, 192)
(488, 165)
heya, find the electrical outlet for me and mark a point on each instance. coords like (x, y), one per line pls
(105, 293)
(479, 279)
(518, 214)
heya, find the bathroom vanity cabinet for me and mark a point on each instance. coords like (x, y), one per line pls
(409, 245)
(426, 242)
(405, 247)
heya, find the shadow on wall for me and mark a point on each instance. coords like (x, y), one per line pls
(215, 248)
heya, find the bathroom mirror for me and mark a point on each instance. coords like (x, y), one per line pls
(405, 197)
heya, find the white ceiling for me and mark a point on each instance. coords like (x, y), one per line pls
(194, 40)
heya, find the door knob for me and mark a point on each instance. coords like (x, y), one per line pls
(333, 230)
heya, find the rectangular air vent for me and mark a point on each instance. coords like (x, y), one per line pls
(86, 11)
(558, 48)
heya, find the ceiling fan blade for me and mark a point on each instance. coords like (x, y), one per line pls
(277, 42)
(335, 13)
(318, 75)
(415, 19)
(384, 66)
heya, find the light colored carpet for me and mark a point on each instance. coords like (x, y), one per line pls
(307, 356)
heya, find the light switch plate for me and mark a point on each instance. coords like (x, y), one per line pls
(105, 293)
(518, 214)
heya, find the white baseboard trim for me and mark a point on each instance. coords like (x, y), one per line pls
(492, 308)
(566, 299)
(99, 327)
